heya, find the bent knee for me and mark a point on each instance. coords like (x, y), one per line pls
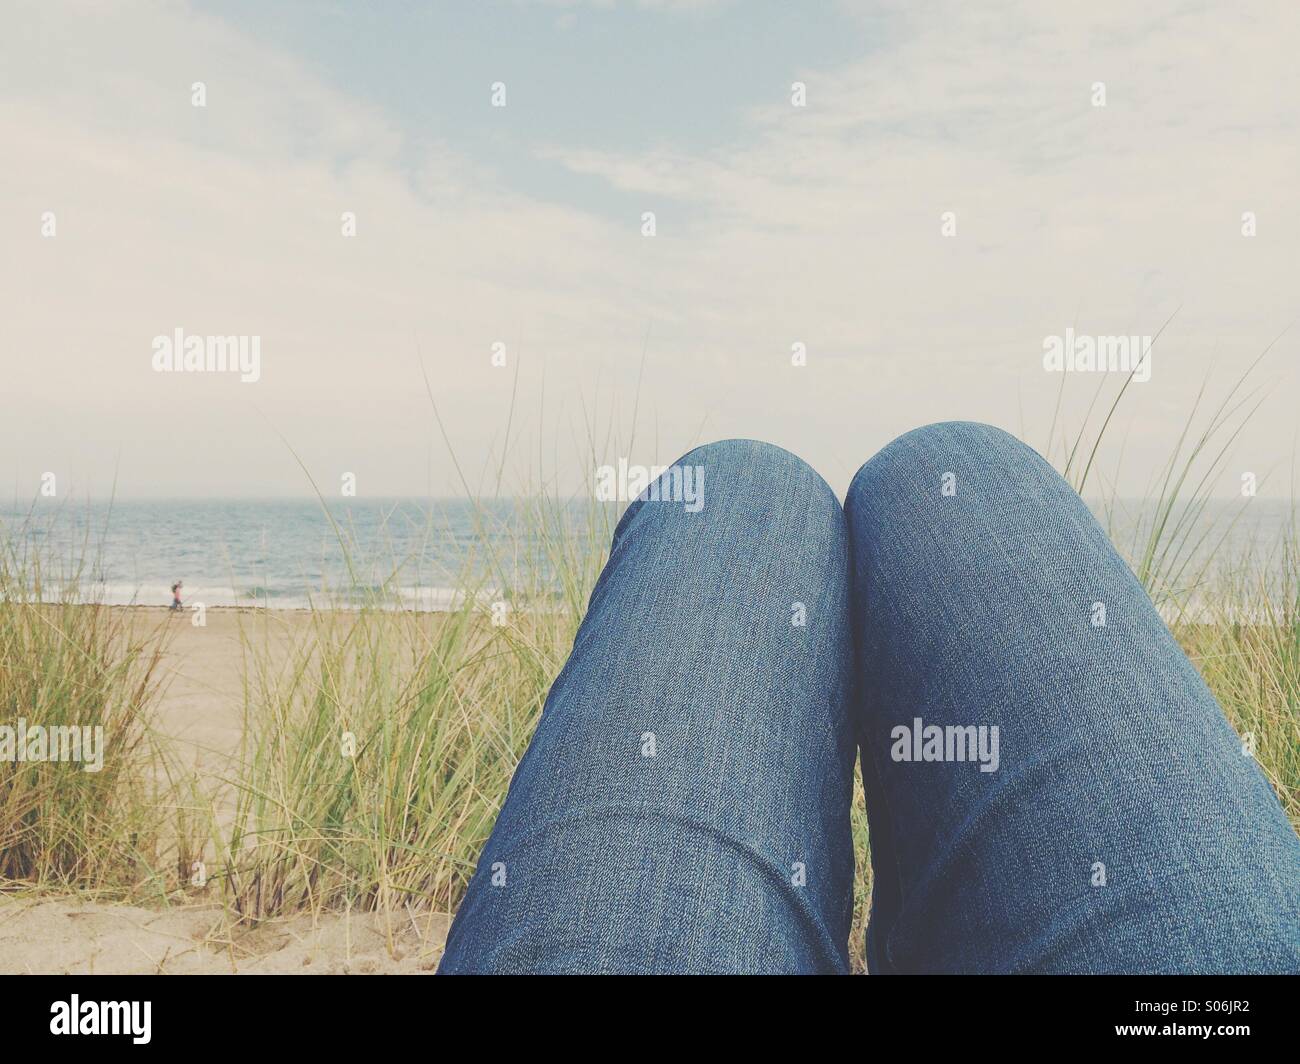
(742, 484)
(755, 469)
(940, 457)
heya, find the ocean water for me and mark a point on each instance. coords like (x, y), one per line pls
(413, 554)
(278, 553)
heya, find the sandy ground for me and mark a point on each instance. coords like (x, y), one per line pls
(203, 669)
(201, 711)
(60, 936)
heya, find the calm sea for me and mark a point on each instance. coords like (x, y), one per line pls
(412, 553)
(283, 554)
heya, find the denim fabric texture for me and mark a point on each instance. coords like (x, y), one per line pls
(684, 803)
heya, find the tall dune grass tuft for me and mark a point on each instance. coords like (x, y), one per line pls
(377, 757)
(64, 663)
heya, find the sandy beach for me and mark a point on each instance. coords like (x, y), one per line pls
(201, 712)
(67, 936)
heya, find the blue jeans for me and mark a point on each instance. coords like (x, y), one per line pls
(1050, 786)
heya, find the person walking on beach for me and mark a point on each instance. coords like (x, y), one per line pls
(176, 595)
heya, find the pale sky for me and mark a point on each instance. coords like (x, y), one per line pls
(522, 224)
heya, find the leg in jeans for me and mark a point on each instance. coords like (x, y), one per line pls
(684, 803)
(1123, 829)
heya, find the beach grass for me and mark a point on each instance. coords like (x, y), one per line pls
(91, 672)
